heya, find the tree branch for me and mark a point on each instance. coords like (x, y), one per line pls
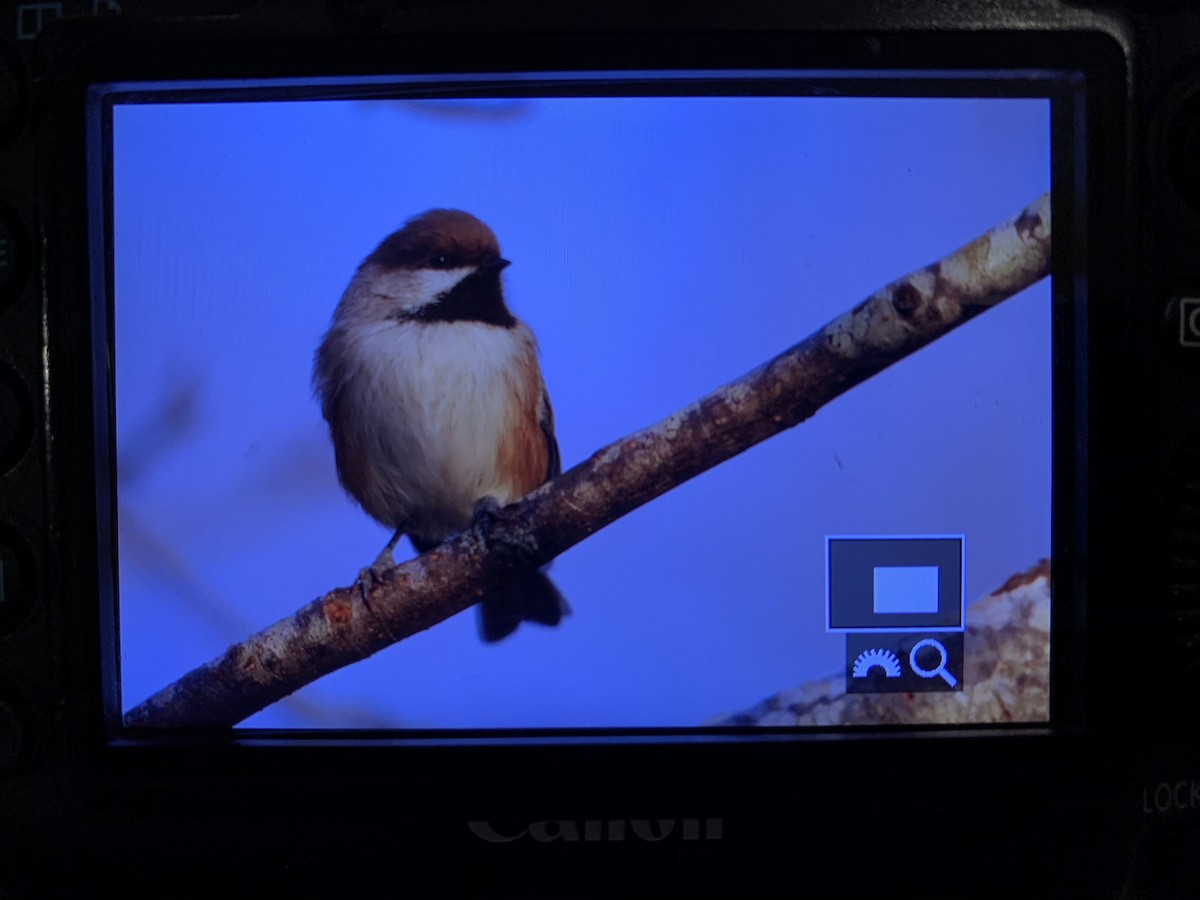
(343, 627)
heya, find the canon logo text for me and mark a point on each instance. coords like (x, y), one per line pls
(650, 830)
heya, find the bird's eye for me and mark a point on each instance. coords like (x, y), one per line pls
(441, 261)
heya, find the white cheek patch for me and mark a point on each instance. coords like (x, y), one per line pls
(413, 289)
(431, 282)
(424, 286)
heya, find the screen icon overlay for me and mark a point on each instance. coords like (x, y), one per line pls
(900, 603)
(904, 663)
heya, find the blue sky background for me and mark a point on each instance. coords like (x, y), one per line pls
(660, 248)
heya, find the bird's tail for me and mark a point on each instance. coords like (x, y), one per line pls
(526, 595)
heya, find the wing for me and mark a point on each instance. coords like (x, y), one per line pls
(546, 424)
(329, 384)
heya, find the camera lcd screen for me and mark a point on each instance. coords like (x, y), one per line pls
(886, 561)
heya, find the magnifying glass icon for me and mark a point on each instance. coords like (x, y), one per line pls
(939, 669)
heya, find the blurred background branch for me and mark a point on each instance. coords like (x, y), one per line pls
(167, 427)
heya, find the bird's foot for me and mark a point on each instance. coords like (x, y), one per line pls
(373, 574)
(483, 517)
(510, 534)
(486, 509)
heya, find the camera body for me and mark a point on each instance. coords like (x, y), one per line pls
(1102, 801)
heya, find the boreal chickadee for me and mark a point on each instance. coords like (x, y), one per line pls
(435, 400)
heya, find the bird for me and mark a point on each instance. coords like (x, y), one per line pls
(435, 401)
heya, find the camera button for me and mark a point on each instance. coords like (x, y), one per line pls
(12, 94)
(1182, 321)
(13, 256)
(16, 419)
(15, 743)
(17, 578)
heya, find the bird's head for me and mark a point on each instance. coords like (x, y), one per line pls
(443, 265)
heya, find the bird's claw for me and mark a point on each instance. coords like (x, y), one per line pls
(486, 509)
(371, 575)
(511, 533)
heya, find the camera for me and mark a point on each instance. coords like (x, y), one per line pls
(834, 364)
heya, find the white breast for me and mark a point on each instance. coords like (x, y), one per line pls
(447, 391)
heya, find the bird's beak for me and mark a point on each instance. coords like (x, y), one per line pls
(495, 265)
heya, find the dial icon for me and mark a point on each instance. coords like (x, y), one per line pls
(876, 657)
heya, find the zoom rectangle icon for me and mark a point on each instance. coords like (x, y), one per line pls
(905, 583)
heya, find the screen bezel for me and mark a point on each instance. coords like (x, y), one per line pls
(1085, 95)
